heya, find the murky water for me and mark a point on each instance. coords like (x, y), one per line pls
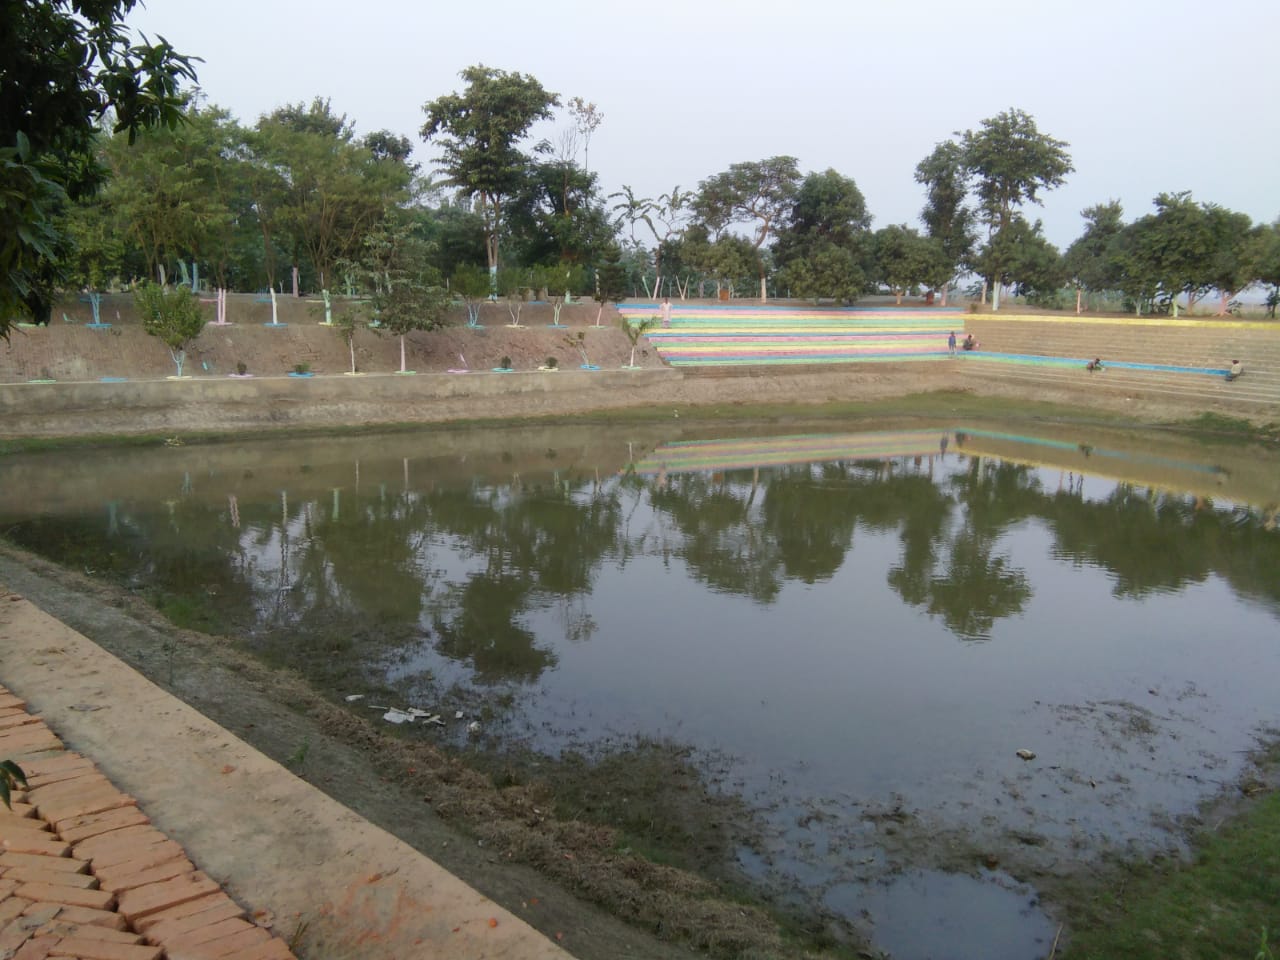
(862, 628)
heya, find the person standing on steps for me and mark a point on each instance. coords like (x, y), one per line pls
(666, 311)
(951, 344)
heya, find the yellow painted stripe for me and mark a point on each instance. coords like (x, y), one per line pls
(1128, 321)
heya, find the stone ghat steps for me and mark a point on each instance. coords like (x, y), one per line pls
(83, 873)
(709, 335)
(1213, 390)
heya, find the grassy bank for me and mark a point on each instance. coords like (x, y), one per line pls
(1223, 902)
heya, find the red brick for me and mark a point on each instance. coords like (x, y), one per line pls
(36, 948)
(28, 739)
(229, 946)
(60, 864)
(167, 930)
(135, 837)
(30, 843)
(97, 800)
(177, 919)
(22, 811)
(55, 877)
(101, 950)
(6, 711)
(11, 908)
(17, 719)
(15, 826)
(135, 904)
(81, 915)
(87, 931)
(9, 700)
(13, 935)
(122, 878)
(7, 887)
(53, 769)
(273, 949)
(142, 857)
(61, 788)
(56, 893)
(75, 829)
(210, 931)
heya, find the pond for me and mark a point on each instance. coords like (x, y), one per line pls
(943, 663)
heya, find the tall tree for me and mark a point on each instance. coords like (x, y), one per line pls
(1230, 266)
(1090, 262)
(1265, 256)
(1010, 163)
(903, 258)
(947, 218)
(759, 193)
(65, 67)
(823, 248)
(479, 132)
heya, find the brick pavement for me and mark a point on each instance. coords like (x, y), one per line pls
(84, 874)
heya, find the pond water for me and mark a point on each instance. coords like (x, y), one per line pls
(856, 630)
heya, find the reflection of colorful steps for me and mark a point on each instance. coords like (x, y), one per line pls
(1143, 469)
(716, 335)
(710, 455)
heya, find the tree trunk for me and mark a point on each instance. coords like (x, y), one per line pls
(351, 345)
(945, 288)
(1079, 292)
(295, 280)
(764, 293)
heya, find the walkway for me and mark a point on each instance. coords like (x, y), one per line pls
(87, 874)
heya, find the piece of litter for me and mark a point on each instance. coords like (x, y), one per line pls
(458, 715)
(397, 716)
(473, 726)
(378, 706)
(415, 712)
(84, 707)
(1025, 754)
(434, 719)
(352, 698)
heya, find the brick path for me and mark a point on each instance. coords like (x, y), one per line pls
(83, 873)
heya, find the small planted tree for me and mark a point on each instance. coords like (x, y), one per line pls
(611, 279)
(511, 286)
(634, 331)
(471, 283)
(173, 315)
(406, 290)
(561, 282)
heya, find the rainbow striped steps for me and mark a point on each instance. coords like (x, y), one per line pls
(715, 335)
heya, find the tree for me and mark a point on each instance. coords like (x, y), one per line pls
(479, 131)
(472, 284)
(1265, 256)
(65, 67)
(760, 193)
(1010, 162)
(1230, 266)
(406, 291)
(1091, 262)
(611, 279)
(173, 315)
(634, 331)
(823, 246)
(903, 258)
(326, 189)
(947, 219)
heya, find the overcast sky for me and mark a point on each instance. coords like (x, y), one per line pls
(1151, 96)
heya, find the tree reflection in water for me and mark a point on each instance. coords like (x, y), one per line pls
(357, 574)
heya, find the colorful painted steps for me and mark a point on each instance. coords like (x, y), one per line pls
(1077, 362)
(727, 335)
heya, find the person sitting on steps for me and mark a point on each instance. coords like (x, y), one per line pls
(970, 343)
(1237, 368)
(1094, 364)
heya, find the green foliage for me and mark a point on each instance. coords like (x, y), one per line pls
(611, 280)
(173, 315)
(394, 271)
(478, 133)
(11, 776)
(64, 68)
(947, 218)
(823, 246)
(1210, 908)
(760, 193)
(904, 259)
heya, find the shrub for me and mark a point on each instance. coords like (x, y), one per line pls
(303, 367)
(242, 368)
(552, 363)
(505, 363)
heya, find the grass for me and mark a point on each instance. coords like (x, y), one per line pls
(1222, 904)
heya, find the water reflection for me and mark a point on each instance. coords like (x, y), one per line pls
(793, 602)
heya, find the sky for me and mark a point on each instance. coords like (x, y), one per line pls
(1152, 97)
